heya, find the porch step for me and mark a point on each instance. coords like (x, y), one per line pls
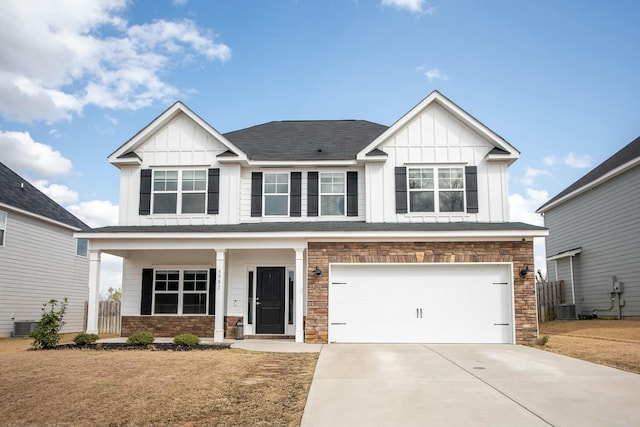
(269, 337)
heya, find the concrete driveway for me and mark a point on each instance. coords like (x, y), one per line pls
(466, 385)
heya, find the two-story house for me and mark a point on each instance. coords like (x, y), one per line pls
(40, 259)
(326, 231)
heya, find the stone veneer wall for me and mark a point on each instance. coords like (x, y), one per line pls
(322, 254)
(168, 326)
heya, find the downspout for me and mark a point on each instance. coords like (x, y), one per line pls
(573, 286)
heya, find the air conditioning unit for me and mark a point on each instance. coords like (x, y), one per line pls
(24, 328)
(566, 312)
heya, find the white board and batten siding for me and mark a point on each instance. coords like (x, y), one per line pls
(38, 263)
(437, 138)
(421, 303)
(180, 144)
(603, 222)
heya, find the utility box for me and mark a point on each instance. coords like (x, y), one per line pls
(617, 287)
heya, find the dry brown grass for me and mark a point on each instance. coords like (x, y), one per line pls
(614, 343)
(118, 388)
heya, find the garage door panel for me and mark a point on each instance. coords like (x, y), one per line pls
(420, 303)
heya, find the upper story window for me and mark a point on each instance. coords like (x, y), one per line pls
(276, 194)
(82, 247)
(436, 189)
(180, 292)
(332, 193)
(3, 226)
(179, 191)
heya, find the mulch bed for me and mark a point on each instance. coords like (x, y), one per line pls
(165, 346)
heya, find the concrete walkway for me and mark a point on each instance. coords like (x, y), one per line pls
(466, 385)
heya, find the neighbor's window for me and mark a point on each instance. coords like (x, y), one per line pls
(276, 194)
(180, 292)
(3, 226)
(436, 189)
(82, 247)
(175, 192)
(332, 188)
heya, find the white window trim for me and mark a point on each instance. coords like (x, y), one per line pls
(343, 194)
(436, 190)
(3, 227)
(264, 193)
(180, 291)
(179, 190)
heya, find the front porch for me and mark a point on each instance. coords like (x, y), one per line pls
(179, 286)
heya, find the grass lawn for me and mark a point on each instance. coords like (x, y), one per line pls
(143, 387)
(614, 343)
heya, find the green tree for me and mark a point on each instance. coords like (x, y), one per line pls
(47, 335)
(114, 294)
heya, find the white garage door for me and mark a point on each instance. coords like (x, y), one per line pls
(420, 303)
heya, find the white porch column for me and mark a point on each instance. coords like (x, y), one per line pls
(94, 292)
(299, 294)
(218, 332)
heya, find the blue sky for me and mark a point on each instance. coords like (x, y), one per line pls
(557, 79)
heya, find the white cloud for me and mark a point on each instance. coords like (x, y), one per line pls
(96, 213)
(179, 2)
(532, 173)
(522, 208)
(110, 272)
(59, 56)
(58, 192)
(413, 6)
(432, 73)
(550, 160)
(21, 153)
(576, 161)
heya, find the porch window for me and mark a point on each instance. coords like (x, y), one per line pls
(180, 292)
(430, 194)
(332, 185)
(276, 194)
(3, 227)
(175, 192)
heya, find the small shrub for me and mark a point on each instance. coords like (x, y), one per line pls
(84, 339)
(187, 340)
(47, 335)
(543, 340)
(140, 338)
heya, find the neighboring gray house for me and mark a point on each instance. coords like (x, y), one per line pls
(594, 240)
(40, 259)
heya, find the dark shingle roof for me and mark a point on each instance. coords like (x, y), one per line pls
(18, 193)
(326, 226)
(313, 140)
(626, 154)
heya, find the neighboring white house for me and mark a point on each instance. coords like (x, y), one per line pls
(323, 231)
(594, 240)
(40, 259)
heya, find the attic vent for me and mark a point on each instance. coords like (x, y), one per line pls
(24, 328)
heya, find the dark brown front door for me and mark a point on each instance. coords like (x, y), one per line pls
(270, 300)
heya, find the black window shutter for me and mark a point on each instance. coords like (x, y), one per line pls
(212, 291)
(401, 189)
(312, 193)
(145, 192)
(352, 193)
(295, 204)
(147, 291)
(256, 194)
(213, 192)
(471, 184)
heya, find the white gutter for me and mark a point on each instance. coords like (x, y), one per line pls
(40, 217)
